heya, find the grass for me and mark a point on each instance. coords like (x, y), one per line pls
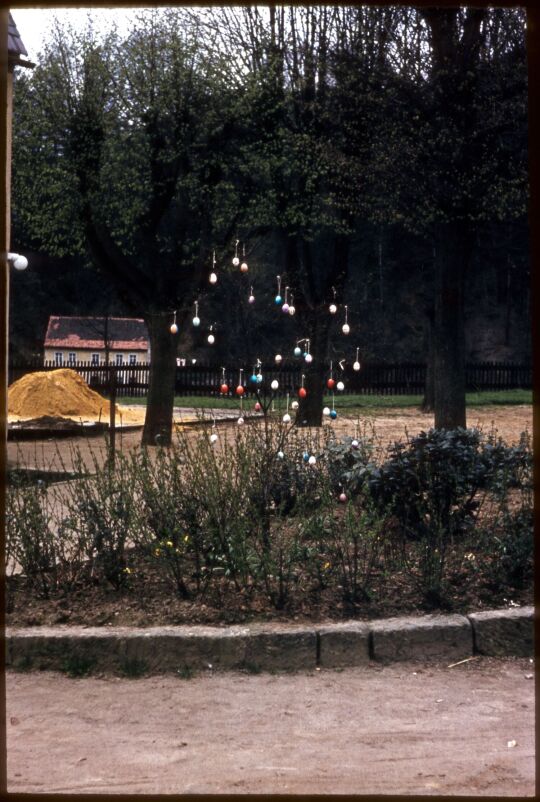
(350, 402)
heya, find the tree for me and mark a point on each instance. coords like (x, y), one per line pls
(455, 145)
(313, 74)
(129, 145)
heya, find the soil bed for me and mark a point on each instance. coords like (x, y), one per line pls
(149, 600)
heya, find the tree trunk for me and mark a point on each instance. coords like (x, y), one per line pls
(310, 408)
(159, 409)
(452, 244)
(428, 402)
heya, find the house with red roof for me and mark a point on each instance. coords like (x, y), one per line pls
(97, 340)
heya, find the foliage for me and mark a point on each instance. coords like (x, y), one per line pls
(101, 508)
(248, 513)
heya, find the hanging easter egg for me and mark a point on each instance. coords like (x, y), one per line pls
(333, 414)
(340, 386)
(312, 460)
(257, 407)
(224, 388)
(332, 309)
(235, 261)
(251, 299)
(278, 358)
(354, 444)
(275, 384)
(294, 405)
(253, 378)
(302, 392)
(243, 267)
(342, 498)
(308, 358)
(259, 378)
(196, 321)
(305, 456)
(211, 339)
(345, 328)
(331, 383)
(292, 310)
(239, 390)
(280, 455)
(298, 351)
(326, 411)
(278, 299)
(286, 418)
(240, 421)
(285, 309)
(356, 366)
(174, 328)
(213, 438)
(213, 278)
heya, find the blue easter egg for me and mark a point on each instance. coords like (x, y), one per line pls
(298, 351)
(305, 456)
(278, 299)
(253, 378)
(259, 378)
(333, 414)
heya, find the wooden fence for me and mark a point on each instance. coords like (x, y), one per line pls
(373, 378)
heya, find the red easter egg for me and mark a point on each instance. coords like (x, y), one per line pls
(239, 390)
(224, 388)
(302, 392)
(257, 407)
(331, 383)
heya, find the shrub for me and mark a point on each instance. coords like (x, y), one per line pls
(432, 487)
(101, 508)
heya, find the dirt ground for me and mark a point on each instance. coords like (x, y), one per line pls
(405, 729)
(389, 425)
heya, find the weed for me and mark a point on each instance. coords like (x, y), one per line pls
(78, 665)
(133, 668)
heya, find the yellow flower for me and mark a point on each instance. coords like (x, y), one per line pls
(186, 538)
(127, 570)
(170, 544)
(326, 566)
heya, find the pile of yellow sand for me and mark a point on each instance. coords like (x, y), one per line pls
(58, 393)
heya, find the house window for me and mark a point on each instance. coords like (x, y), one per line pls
(119, 359)
(58, 358)
(133, 359)
(95, 359)
(72, 357)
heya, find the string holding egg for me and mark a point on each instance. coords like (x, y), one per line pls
(292, 309)
(236, 260)
(278, 299)
(346, 328)
(244, 266)
(213, 275)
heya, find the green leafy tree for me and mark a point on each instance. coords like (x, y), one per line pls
(127, 144)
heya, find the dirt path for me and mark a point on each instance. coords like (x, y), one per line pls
(411, 729)
(389, 425)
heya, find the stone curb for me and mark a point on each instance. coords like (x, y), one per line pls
(270, 647)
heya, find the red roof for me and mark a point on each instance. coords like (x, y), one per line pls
(123, 333)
